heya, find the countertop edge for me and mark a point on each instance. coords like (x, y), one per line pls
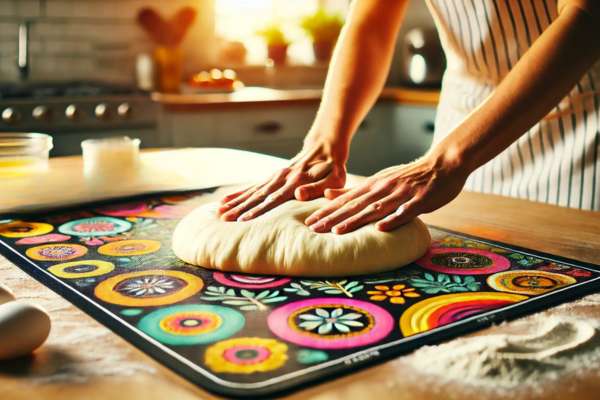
(266, 96)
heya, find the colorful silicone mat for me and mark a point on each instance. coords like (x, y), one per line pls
(253, 336)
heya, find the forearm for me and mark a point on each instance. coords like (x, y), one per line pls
(542, 77)
(358, 69)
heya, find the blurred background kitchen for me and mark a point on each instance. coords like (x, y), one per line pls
(243, 74)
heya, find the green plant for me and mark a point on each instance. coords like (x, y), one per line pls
(273, 35)
(322, 26)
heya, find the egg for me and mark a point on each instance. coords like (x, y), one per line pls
(5, 294)
(23, 328)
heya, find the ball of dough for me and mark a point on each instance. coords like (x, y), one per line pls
(279, 243)
(6, 294)
(23, 328)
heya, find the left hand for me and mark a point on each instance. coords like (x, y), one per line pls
(393, 196)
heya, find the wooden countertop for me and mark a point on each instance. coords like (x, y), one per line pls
(560, 231)
(259, 96)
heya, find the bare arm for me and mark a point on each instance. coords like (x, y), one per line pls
(541, 78)
(355, 78)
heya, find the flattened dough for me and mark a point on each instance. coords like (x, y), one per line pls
(278, 243)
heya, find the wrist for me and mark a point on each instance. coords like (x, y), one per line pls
(450, 159)
(334, 147)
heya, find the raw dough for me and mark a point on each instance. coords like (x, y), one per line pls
(278, 243)
(23, 328)
(6, 294)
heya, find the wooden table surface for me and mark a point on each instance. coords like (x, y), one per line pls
(84, 360)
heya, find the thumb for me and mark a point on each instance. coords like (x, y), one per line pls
(335, 193)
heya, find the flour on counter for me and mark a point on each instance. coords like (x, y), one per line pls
(555, 346)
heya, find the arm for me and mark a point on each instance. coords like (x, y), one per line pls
(541, 78)
(356, 76)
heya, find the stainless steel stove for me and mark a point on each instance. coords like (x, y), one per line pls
(78, 110)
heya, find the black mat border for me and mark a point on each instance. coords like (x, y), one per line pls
(371, 357)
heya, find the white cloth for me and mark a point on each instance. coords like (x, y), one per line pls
(558, 160)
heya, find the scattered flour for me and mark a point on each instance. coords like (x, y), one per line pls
(558, 345)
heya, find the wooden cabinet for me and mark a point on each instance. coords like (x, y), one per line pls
(391, 134)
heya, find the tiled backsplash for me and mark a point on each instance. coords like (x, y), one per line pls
(92, 39)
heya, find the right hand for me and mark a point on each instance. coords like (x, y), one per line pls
(319, 166)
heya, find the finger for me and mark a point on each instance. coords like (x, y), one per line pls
(313, 190)
(271, 201)
(237, 200)
(333, 193)
(334, 205)
(231, 196)
(373, 212)
(404, 214)
(253, 200)
(276, 181)
(350, 209)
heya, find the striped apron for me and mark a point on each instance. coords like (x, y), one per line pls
(558, 160)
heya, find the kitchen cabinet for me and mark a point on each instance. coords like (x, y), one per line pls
(276, 130)
(391, 134)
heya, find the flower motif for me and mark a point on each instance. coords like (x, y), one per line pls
(326, 321)
(148, 286)
(443, 283)
(396, 294)
(246, 355)
(297, 288)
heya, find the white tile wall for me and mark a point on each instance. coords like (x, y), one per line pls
(93, 39)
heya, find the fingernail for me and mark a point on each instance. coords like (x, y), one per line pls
(318, 227)
(400, 210)
(339, 229)
(245, 216)
(310, 220)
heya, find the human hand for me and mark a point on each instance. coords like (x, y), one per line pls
(317, 167)
(393, 196)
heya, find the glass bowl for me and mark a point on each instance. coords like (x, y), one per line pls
(22, 153)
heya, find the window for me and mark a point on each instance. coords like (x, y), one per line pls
(239, 20)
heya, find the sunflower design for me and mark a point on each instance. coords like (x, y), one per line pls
(325, 321)
(147, 286)
(395, 294)
(246, 355)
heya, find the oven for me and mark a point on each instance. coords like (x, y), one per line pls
(74, 111)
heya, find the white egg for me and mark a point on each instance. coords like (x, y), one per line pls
(6, 294)
(23, 328)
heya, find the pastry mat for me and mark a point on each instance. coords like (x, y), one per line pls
(249, 336)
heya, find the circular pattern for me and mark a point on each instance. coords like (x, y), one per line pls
(81, 269)
(132, 247)
(331, 323)
(191, 324)
(148, 288)
(22, 229)
(131, 312)
(49, 238)
(124, 210)
(249, 281)
(463, 261)
(307, 356)
(448, 308)
(95, 226)
(246, 355)
(530, 282)
(56, 252)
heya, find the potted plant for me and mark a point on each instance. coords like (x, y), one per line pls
(277, 43)
(324, 29)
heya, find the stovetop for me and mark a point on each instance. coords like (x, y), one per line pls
(79, 88)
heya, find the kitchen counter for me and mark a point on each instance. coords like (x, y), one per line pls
(561, 231)
(259, 95)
